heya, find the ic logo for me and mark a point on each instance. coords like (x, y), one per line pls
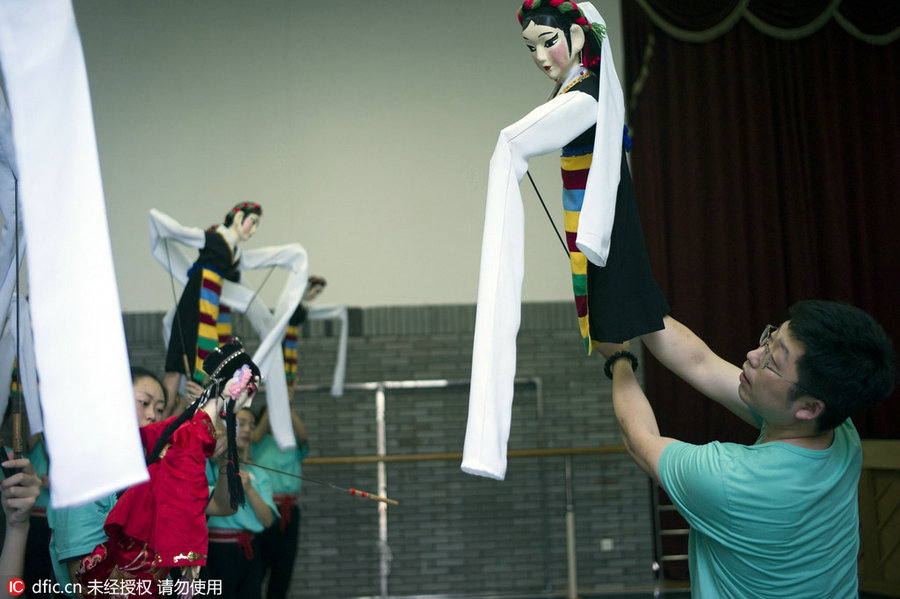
(16, 586)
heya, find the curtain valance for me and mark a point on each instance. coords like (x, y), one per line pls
(872, 21)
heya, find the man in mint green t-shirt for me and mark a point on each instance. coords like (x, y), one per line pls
(778, 518)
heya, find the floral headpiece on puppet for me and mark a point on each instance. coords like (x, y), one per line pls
(602, 184)
(231, 372)
(562, 14)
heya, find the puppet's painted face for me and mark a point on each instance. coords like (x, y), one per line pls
(549, 49)
(312, 292)
(245, 225)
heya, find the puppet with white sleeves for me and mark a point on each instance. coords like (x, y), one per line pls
(212, 282)
(616, 296)
(201, 322)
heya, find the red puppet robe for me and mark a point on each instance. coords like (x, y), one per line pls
(161, 523)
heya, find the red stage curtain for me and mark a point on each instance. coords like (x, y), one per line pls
(768, 171)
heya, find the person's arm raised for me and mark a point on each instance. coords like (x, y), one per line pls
(688, 356)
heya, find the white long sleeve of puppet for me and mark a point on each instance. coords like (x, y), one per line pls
(174, 256)
(271, 326)
(340, 314)
(545, 129)
(599, 208)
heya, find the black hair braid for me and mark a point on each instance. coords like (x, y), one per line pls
(235, 486)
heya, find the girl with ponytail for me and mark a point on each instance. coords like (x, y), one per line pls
(616, 297)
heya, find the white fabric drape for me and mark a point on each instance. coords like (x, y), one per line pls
(599, 208)
(90, 425)
(269, 325)
(498, 313)
(338, 313)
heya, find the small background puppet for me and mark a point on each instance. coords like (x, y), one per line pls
(209, 285)
(201, 321)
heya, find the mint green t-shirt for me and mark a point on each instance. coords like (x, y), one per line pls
(267, 453)
(245, 518)
(76, 532)
(769, 520)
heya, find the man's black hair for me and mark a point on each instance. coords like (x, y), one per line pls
(848, 360)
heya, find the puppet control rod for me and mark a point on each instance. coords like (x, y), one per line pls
(352, 491)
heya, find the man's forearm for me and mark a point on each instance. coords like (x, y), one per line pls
(640, 431)
(632, 408)
(688, 356)
(677, 347)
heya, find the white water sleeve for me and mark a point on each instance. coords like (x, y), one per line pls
(545, 129)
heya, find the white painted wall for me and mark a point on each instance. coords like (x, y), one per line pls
(363, 128)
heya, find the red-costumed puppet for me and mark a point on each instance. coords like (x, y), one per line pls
(161, 524)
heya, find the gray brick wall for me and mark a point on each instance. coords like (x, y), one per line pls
(454, 533)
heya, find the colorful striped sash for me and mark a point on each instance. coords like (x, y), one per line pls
(290, 347)
(207, 332)
(575, 164)
(224, 324)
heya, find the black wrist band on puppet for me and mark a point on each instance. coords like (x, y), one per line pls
(607, 368)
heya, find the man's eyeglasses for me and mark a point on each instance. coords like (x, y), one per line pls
(767, 358)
